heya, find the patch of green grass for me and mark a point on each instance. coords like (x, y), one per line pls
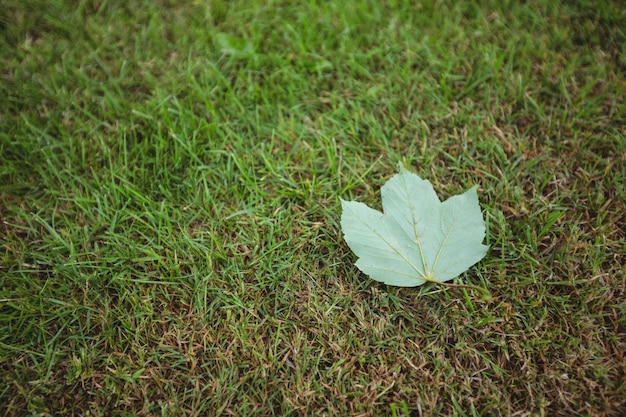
(169, 202)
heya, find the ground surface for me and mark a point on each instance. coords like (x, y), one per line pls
(170, 184)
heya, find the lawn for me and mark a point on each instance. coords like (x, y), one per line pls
(171, 176)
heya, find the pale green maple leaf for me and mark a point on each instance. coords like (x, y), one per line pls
(418, 239)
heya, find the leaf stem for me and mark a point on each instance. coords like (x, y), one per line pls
(485, 292)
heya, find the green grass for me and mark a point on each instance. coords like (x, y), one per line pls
(170, 184)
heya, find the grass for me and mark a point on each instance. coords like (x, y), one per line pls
(170, 182)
